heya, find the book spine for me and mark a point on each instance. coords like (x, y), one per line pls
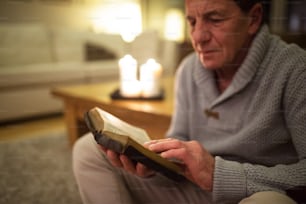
(137, 156)
(108, 142)
(101, 139)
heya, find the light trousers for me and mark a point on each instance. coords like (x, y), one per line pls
(101, 183)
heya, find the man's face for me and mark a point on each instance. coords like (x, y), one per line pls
(219, 30)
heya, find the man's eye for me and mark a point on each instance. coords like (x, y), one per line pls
(192, 23)
(216, 20)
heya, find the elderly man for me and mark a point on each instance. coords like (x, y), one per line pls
(239, 122)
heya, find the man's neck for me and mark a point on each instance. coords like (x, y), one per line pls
(224, 78)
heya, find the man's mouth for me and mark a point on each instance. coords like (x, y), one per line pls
(205, 52)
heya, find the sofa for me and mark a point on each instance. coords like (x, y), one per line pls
(34, 58)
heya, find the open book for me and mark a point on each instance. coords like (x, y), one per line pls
(123, 138)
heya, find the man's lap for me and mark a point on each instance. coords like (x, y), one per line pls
(99, 181)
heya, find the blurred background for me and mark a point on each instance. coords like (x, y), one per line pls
(113, 17)
(47, 43)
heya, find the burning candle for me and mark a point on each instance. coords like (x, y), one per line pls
(150, 78)
(129, 85)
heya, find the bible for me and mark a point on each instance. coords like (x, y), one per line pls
(124, 138)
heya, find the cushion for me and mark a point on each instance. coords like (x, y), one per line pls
(24, 44)
(68, 45)
(41, 74)
(112, 43)
(145, 46)
(94, 53)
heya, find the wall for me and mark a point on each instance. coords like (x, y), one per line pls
(154, 13)
(76, 13)
(51, 14)
(62, 13)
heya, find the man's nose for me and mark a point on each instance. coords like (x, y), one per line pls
(201, 33)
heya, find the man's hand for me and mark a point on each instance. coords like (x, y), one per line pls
(197, 162)
(122, 161)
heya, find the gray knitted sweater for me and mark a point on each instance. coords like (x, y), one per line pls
(257, 127)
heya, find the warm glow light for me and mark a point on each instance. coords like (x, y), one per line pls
(118, 18)
(174, 25)
(129, 84)
(150, 78)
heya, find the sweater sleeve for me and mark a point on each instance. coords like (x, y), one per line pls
(295, 111)
(234, 180)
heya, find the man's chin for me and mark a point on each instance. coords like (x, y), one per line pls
(209, 65)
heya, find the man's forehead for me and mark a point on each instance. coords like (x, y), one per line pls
(205, 3)
(201, 5)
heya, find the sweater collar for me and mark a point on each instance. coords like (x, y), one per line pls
(205, 79)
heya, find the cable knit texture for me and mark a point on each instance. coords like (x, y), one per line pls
(259, 139)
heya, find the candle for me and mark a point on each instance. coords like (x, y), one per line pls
(150, 78)
(129, 85)
(130, 89)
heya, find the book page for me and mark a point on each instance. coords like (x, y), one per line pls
(115, 125)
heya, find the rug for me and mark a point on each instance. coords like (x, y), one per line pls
(37, 170)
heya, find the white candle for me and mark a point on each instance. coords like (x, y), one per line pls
(130, 88)
(150, 78)
(129, 85)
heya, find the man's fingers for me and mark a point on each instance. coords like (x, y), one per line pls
(143, 171)
(104, 149)
(164, 145)
(128, 165)
(113, 157)
(156, 141)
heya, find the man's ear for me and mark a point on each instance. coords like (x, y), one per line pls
(256, 17)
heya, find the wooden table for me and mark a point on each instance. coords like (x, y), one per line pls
(152, 115)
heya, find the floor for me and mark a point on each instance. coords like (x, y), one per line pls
(32, 128)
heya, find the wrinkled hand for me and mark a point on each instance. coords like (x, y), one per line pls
(198, 164)
(122, 161)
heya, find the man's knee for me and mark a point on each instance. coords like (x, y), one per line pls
(268, 197)
(80, 146)
(86, 156)
(83, 150)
